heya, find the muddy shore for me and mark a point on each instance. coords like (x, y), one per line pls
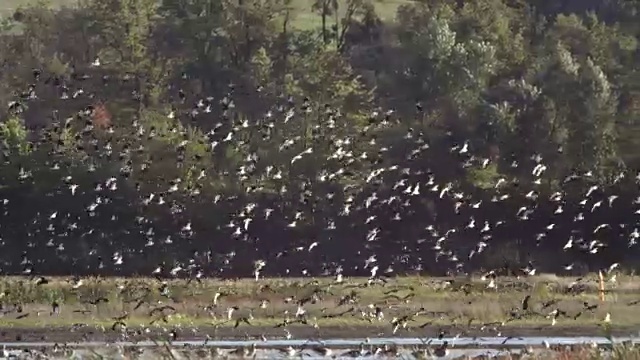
(86, 334)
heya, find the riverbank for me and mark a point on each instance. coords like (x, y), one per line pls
(66, 335)
(98, 309)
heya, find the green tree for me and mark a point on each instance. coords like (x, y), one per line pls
(14, 137)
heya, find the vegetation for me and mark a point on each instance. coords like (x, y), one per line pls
(514, 79)
(464, 306)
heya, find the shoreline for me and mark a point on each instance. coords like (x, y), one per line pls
(64, 335)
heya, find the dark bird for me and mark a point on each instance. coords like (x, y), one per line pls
(549, 303)
(242, 320)
(55, 308)
(121, 317)
(588, 307)
(425, 324)
(525, 303)
(42, 281)
(118, 323)
(161, 309)
(98, 301)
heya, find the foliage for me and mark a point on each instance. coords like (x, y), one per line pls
(515, 81)
(14, 136)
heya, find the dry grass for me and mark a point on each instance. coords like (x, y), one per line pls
(458, 303)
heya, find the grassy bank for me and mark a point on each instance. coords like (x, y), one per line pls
(467, 303)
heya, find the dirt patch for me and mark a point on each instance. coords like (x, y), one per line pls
(68, 335)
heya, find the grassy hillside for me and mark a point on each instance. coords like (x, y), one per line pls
(305, 18)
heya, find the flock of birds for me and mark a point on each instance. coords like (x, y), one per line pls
(292, 308)
(341, 195)
(330, 197)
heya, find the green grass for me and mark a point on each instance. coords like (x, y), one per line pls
(305, 19)
(464, 301)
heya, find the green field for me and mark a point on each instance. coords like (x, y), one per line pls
(305, 18)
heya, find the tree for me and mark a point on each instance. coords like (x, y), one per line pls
(325, 8)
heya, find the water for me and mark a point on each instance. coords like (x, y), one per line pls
(461, 342)
(272, 349)
(261, 354)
